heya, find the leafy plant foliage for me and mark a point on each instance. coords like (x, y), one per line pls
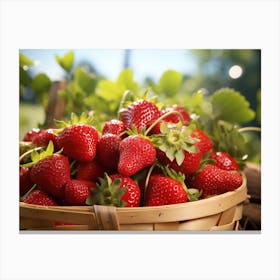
(220, 113)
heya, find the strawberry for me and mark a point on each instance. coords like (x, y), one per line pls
(140, 114)
(43, 138)
(51, 173)
(162, 190)
(116, 190)
(113, 126)
(25, 183)
(177, 148)
(79, 142)
(175, 118)
(213, 181)
(224, 161)
(136, 153)
(30, 134)
(108, 150)
(40, 197)
(89, 171)
(205, 143)
(132, 195)
(77, 191)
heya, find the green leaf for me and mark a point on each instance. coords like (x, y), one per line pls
(258, 109)
(227, 138)
(66, 61)
(41, 83)
(231, 106)
(87, 81)
(170, 82)
(113, 91)
(24, 78)
(24, 61)
(126, 82)
(108, 90)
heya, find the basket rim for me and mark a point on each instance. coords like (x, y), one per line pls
(166, 213)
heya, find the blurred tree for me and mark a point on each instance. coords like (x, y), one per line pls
(126, 60)
(215, 70)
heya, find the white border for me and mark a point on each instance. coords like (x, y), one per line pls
(135, 24)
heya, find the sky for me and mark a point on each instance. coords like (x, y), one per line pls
(109, 62)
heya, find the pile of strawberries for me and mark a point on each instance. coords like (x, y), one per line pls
(145, 157)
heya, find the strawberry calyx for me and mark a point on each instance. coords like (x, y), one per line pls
(107, 192)
(134, 131)
(24, 151)
(174, 140)
(180, 177)
(194, 194)
(25, 146)
(84, 118)
(36, 156)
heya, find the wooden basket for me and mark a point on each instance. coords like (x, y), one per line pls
(221, 212)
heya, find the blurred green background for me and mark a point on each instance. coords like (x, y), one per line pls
(85, 80)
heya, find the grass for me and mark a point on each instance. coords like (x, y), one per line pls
(30, 115)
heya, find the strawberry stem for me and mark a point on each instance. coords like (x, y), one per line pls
(122, 133)
(249, 128)
(29, 152)
(161, 118)
(123, 100)
(22, 198)
(148, 178)
(73, 170)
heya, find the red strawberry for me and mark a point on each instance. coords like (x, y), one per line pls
(30, 134)
(40, 197)
(205, 143)
(172, 118)
(116, 190)
(43, 138)
(177, 148)
(136, 153)
(162, 190)
(132, 195)
(89, 171)
(108, 150)
(213, 181)
(25, 184)
(113, 126)
(190, 164)
(77, 191)
(140, 113)
(51, 173)
(79, 142)
(224, 161)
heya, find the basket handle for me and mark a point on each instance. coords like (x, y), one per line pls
(106, 216)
